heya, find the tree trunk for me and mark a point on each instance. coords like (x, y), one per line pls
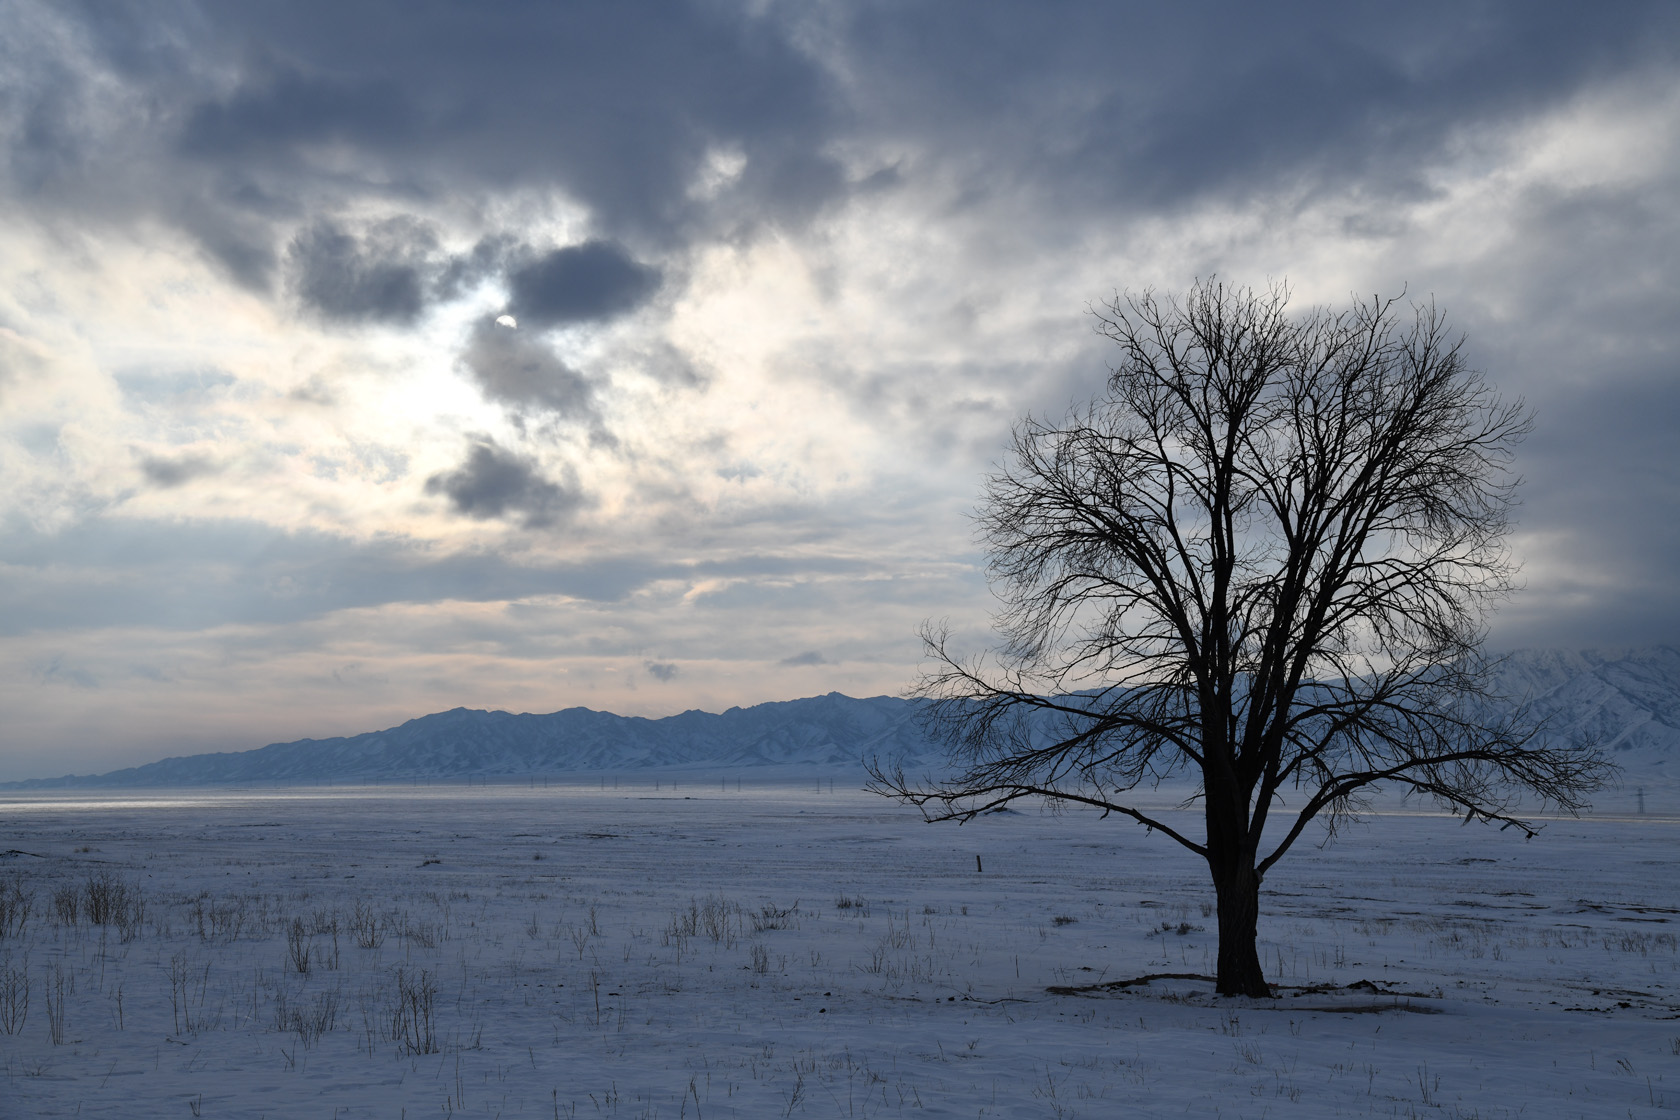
(1238, 891)
(1230, 857)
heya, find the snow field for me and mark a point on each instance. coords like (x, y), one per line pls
(512, 951)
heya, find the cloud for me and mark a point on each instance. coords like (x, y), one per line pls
(242, 243)
(391, 270)
(497, 483)
(284, 108)
(516, 368)
(200, 574)
(579, 283)
(176, 387)
(809, 658)
(174, 113)
(486, 258)
(1094, 107)
(388, 271)
(126, 112)
(55, 671)
(1599, 546)
(661, 670)
(658, 359)
(166, 473)
(380, 275)
(19, 359)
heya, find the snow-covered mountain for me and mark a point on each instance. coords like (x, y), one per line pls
(821, 732)
(1629, 702)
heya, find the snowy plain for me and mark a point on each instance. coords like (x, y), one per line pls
(683, 945)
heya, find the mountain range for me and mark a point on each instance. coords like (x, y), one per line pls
(1628, 701)
(820, 732)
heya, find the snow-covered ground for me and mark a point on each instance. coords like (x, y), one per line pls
(711, 952)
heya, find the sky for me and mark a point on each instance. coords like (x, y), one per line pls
(362, 360)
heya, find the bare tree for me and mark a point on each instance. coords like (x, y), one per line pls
(1261, 560)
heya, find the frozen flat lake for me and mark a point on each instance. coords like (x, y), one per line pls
(519, 952)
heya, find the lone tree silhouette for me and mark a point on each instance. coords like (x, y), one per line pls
(1261, 559)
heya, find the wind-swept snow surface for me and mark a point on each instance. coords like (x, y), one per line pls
(691, 949)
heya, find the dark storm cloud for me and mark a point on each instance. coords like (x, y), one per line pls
(380, 276)
(494, 482)
(391, 270)
(616, 104)
(1109, 109)
(285, 108)
(594, 280)
(803, 660)
(1602, 494)
(517, 369)
(661, 670)
(1158, 105)
(46, 142)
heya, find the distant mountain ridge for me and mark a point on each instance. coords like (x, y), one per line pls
(823, 732)
(1629, 701)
